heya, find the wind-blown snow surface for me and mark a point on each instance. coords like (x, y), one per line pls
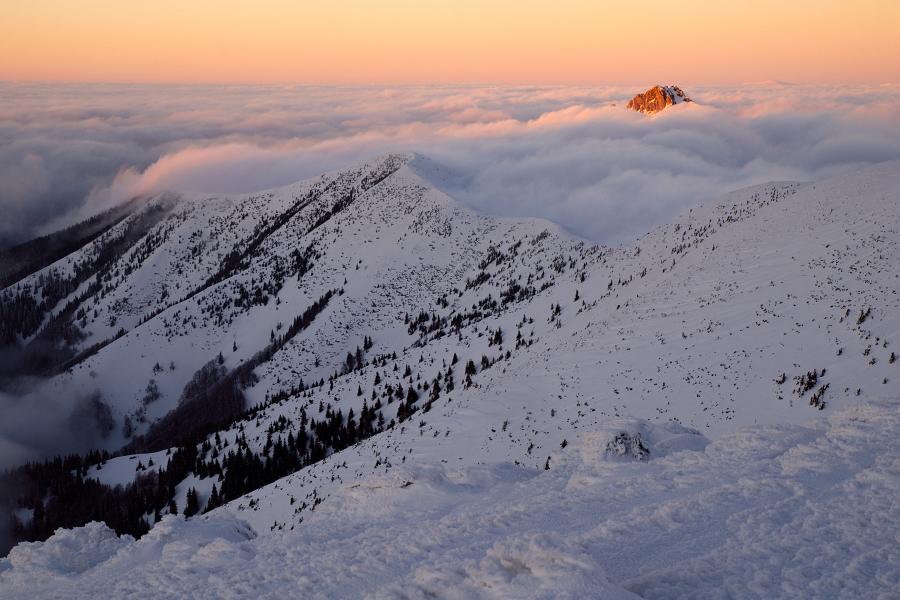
(766, 511)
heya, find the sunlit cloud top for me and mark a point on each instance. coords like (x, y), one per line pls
(562, 153)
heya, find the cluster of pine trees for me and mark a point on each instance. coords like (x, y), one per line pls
(23, 312)
(59, 495)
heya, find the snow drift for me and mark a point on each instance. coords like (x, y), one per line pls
(807, 512)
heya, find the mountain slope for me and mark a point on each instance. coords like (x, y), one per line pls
(771, 287)
(402, 246)
(775, 305)
(777, 511)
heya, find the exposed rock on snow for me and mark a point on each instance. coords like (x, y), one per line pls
(637, 439)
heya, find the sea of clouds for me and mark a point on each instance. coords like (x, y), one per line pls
(606, 173)
(574, 155)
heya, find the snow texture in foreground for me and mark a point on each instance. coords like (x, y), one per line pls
(768, 511)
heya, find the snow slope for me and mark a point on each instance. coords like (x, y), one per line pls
(789, 261)
(766, 511)
(759, 321)
(704, 344)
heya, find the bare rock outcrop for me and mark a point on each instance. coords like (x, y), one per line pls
(657, 98)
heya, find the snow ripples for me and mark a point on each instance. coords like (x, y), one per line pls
(799, 512)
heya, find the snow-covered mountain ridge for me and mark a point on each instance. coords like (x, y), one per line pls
(775, 305)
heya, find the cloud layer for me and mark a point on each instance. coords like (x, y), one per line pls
(605, 173)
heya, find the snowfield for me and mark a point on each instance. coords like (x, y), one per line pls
(765, 511)
(709, 412)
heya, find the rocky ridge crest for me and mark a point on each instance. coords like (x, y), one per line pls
(657, 98)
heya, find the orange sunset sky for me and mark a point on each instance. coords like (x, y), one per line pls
(425, 41)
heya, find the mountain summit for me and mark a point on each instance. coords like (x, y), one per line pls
(657, 98)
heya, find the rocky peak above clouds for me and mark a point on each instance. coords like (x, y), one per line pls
(657, 98)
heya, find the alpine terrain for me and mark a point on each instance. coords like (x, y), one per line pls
(657, 98)
(357, 387)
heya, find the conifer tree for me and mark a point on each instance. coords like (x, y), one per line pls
(192, 507)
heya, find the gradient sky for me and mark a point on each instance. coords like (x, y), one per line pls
(464, 41)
